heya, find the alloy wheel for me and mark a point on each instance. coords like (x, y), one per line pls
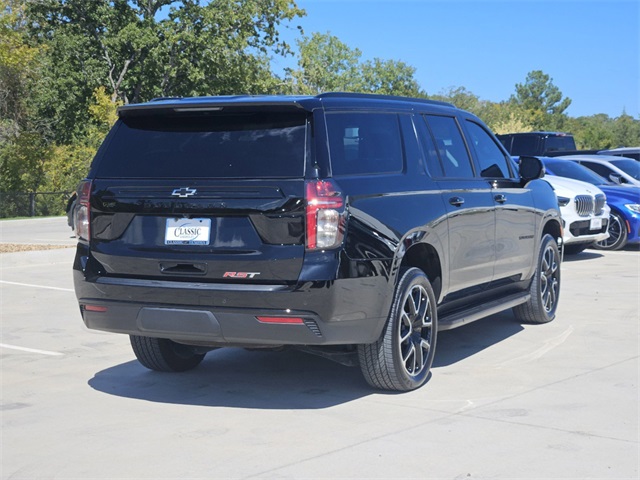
(415, 330)
(549, 279)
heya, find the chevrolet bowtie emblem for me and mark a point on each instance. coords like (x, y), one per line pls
(184, 192)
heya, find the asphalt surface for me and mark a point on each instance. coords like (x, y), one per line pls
(504, 400)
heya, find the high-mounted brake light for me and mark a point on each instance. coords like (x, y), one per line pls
(325, 214)
(82, 214)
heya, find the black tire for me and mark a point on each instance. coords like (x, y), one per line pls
(576, 248)
(618, 234)
(401, 359)
(545, 286)
(163, 355)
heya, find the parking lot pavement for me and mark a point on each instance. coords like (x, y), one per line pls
(37, 231)
(504, 401)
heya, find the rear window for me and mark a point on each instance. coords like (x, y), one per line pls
(524, 145)
(212, 146)
(559, 144)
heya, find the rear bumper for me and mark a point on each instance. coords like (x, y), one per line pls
(342, 311)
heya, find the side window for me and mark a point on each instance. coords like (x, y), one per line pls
(450, 146)
(364, 143)
(601, 170)
(493, 163)
(433, 162)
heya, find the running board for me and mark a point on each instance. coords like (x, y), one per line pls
(458, 319)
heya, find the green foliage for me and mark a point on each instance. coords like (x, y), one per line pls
(601, 132)
(460, 97)
(69, 163)
(626, 131)
(66, 65)
(542, 101)
(19, 70)
(22, 161)
(390, 77)
(326, 64)
(218, 47)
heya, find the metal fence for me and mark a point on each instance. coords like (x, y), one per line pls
(34, 204)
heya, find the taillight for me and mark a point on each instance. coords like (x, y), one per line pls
(325, 214)
(82, 214)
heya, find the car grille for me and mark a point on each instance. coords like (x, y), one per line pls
(601, 201)
(584, 205)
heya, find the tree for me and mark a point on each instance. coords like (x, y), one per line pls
(542, 100)
(505, 117)
(23, 149)
(19, 69)
(390, 77)
(460, 97)
(592, 133)
(626, 131)
(327, 64)
(137, 53)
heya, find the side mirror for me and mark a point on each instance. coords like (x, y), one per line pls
(531, 168)
(616, 178)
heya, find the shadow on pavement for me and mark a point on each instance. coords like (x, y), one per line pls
(289, 379)
(586, 255)
(232, 377)
(464, 342)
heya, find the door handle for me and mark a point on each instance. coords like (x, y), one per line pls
(500, 198)
(456, 201)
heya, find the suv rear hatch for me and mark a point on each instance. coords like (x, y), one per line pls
(209, 195)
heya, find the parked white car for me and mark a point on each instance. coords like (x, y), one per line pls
(584, 210)
(620, 170)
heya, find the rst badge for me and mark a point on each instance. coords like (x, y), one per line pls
(187, 231)
(240, 274)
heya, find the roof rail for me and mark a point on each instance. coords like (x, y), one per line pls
(383, 97)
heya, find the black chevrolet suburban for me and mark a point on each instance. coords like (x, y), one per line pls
(348, 225)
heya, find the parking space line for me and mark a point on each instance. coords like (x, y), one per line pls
(37, 286)
(30, 350)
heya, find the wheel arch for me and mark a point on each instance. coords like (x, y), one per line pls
(425, 257)
(553, 228)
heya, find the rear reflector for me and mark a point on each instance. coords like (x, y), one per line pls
(95, 308)
(282, 320)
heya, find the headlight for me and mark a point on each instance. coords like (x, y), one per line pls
(634, 207)
(563, 201)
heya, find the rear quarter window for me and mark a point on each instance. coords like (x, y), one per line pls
(364, 143)
(251, 145)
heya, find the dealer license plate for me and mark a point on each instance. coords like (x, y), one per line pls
(596, 224)
(187, 231)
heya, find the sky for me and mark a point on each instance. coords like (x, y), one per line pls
(590, 48)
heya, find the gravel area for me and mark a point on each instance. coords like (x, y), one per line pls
(19, 247)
